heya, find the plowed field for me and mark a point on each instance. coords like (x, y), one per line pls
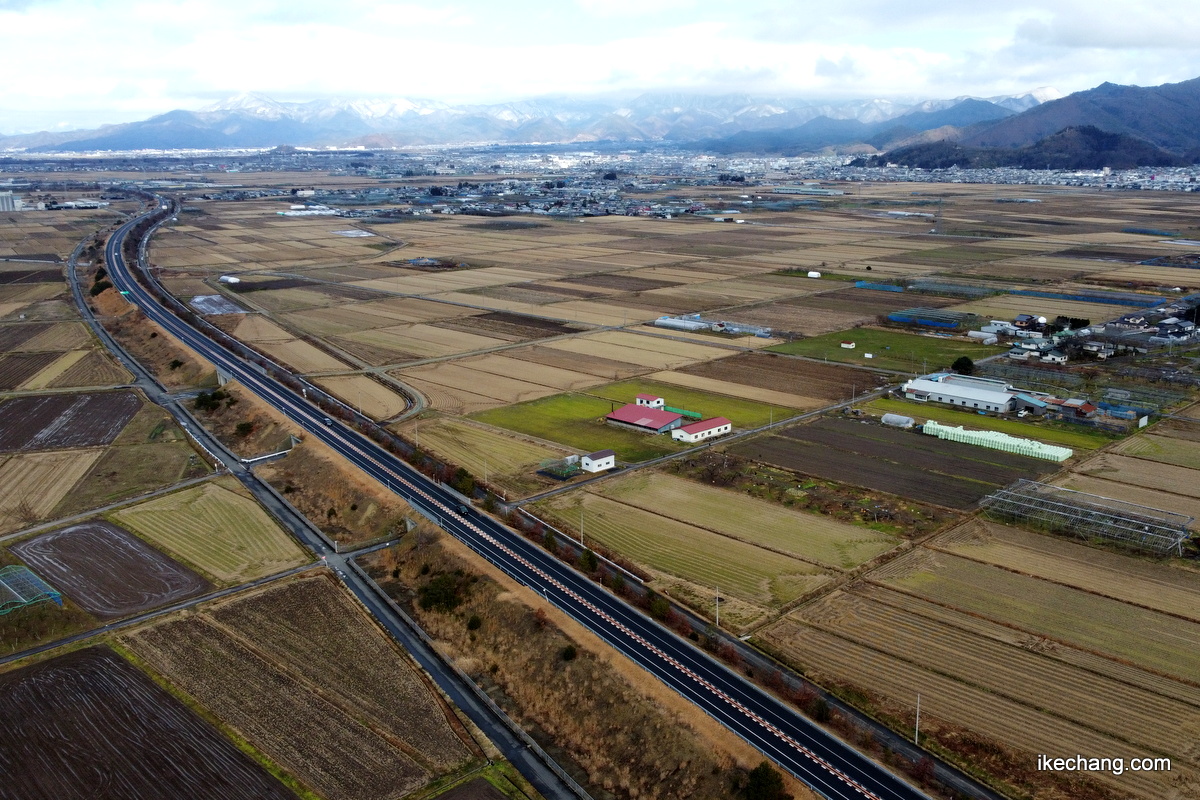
(108, 571)
(64, 420)
(304, 676)
(115, 733)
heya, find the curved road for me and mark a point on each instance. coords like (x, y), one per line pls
(829, 766)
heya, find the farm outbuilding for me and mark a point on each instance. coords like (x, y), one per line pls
(705, 429)
(598, 461)
(978, 394)
(898, 421)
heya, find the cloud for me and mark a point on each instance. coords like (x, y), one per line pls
(149, 57)
(844, 68)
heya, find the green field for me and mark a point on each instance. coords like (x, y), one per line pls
(1079, 439)
(733, 514)
(906, 352)
(577, 421)
(701, 557)
(224, 533)
(742, 413)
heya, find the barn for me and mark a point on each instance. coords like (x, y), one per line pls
(644, 418)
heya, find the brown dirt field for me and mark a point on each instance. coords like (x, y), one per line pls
(313, 627)
(1139, 472)
(368, 395)
(277, 710)
(903, 479)
(301, 356)
(17, 368)
(96, 368)
(790, 375)
(738, 390)
(60, 421)
(60, 337)
(609, 369)
(118, 734)
(514, 327)
(107, 570)
(459, 377)
(1158, 585)
(1119, 490)
(64, 363)
(532, 372)
(363, 510)
(831, 659)
(12, 336)
(622, 754)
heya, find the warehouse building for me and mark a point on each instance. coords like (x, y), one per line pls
(979, 394)
(705, 429)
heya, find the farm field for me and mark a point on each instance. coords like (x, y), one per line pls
(285, 666)
(905, 477)
(370, 396)
(1118, 490)
(741, 412)
(904, 352)
(1110, 628)
(59, 421)
(1161, 586)
(460, 379)
(216, 529)
(828, 382)
(576, 421)
(508, 461)
(998, 689)
(1066, 434)
(33, 484)
(760, 577)
(806, 536)
(1140, 472)
(105, 569)
(1008, 306)
(118, 734)
(149, 453)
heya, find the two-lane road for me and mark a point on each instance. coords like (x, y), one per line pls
(828, 765)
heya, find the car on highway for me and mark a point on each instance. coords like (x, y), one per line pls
(328, 421)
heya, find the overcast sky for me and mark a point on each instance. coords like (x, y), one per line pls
(77, 63)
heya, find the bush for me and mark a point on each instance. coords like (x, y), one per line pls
(99, 287)
(474, 623)
(244, 429)
(765, 783)
(659, 607)
(569, 652)
(440, 594)
(588, 561)
(176, 364)
(963, 365)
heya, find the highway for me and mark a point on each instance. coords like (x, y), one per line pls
(829, 766)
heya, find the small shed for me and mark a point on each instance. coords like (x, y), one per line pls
(650, 401)
(599, 461)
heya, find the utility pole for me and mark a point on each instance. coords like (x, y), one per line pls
(718, 607)
(917, 727)
(581, 525)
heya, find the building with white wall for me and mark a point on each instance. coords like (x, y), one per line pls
(598, 461)
(705, 429)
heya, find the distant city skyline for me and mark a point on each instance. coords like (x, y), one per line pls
(82, 63)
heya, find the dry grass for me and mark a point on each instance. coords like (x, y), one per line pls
(631, 736)
(32, 484)
(369, 396)
(212, 527)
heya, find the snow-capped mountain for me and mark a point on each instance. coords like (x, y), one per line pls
(256, 120)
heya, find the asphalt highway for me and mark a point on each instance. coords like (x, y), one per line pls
(829, 766)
